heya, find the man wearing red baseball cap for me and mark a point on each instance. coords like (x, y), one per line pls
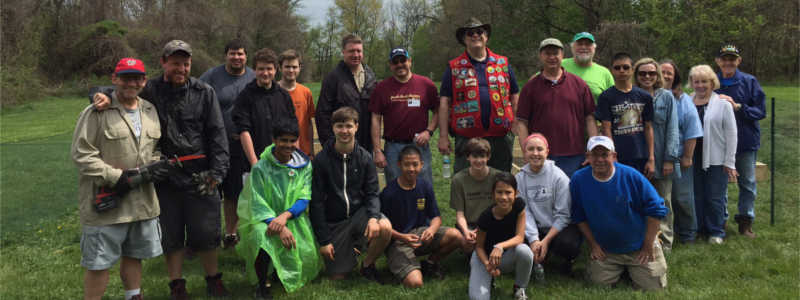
(113, 149)
(193, 131)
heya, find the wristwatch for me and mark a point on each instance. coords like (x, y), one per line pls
(430, 132)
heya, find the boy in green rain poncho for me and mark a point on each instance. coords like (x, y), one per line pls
(274, 231)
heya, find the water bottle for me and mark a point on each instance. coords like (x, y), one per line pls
(446, 166)
(538, 273)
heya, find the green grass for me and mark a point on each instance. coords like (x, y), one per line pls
(40, 230)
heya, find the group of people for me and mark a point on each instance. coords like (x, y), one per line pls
(158, 158)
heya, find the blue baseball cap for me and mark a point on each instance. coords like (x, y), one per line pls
(397, 52)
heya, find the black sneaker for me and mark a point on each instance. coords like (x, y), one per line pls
(262, 293)
(230, 241)
(431, 269)
(214, 286)
(177, 290)
(371, 274)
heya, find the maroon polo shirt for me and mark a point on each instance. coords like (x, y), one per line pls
(558, 111)
(404, 106)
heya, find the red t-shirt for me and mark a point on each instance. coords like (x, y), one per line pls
(558, 111)
(404, 106)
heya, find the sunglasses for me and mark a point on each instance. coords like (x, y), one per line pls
(399, 60)
(472, 31)
(622, 67)
(647, 73)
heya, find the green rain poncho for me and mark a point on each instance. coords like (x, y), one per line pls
(271, 189)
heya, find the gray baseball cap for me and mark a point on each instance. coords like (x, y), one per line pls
(175, 46)
(550, 42)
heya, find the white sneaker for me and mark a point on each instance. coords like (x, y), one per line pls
(519, 294)
(715, 240)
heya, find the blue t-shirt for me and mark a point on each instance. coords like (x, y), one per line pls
(627, 113)
(616, 210)
(446, 89)
(409, 209)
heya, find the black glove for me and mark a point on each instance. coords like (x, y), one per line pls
(129, 179)
(156, 171)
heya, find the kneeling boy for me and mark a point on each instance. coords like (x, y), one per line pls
(274, 230)
(471, 190)
(410, 204)
(346, 212)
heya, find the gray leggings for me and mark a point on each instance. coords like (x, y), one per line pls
(519, 259)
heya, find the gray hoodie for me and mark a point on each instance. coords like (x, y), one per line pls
(547, 199)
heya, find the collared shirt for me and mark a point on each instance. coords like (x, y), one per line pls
(103, 145)
(360, 77)
(558, 111)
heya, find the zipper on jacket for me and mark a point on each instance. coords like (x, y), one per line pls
(344, 186)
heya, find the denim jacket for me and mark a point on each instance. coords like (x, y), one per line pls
(666, 137)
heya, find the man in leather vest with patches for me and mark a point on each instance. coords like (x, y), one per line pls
(478, 97)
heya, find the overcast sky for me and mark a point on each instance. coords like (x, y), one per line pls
(316, 10)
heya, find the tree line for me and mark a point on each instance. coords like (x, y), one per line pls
(49, 42)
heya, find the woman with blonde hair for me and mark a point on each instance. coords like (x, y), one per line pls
(715, 153)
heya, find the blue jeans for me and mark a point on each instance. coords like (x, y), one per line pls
(568, 163)
(392, 152)
(746, 166)
(710, 187)
(683, 205)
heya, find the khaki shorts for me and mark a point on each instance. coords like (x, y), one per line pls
(102, 246)
(650, 276)
(402, 258)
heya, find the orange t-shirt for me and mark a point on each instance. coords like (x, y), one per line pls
(304, 109)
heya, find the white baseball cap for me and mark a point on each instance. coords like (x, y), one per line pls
(600, 140)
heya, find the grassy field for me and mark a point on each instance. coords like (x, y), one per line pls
(40, 231)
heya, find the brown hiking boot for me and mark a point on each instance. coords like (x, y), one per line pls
(214, 286)
(178, 290)
(745, 226)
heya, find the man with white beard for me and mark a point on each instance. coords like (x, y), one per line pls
(597, 77)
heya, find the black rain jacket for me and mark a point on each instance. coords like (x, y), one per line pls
(330, 203)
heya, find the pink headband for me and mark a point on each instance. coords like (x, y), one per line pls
(537, 136)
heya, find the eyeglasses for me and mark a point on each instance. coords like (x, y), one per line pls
(472, 31)
(622, 67)
(647, 73)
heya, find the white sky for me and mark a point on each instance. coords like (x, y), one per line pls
(317, 10)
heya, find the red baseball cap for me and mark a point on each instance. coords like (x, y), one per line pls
(129, 66)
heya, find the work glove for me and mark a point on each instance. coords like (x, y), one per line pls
(205, 184)
(130, 178)
(156, 171)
